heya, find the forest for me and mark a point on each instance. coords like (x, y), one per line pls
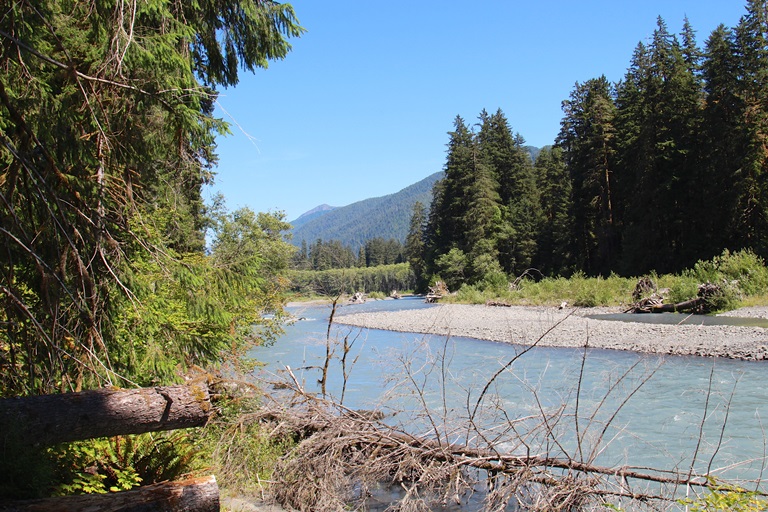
(665, 168)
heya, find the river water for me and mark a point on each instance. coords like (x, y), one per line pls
(633, 409)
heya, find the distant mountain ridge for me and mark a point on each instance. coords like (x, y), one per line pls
(314, 213)
(386, 217)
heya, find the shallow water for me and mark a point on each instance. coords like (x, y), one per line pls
(682, 319)
(658, 409)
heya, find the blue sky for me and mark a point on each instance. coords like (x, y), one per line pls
(362, 105)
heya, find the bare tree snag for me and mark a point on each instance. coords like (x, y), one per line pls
(191, 495)
(51, 419)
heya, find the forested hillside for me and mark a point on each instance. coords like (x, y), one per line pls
(380, 217)
(667, 167)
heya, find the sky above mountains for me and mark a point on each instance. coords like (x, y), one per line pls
(362, 105)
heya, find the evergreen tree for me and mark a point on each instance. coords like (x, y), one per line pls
(414, 244)
(451, 199)
(724, 144)
(555, 247)
(512, 169)
(587, 138)
(108, 134)
(659, 119)
(752, 182)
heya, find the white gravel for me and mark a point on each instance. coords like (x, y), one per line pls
(551, 326)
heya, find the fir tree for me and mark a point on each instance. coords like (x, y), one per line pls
(587, 139)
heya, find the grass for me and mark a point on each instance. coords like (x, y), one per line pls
(742, 275)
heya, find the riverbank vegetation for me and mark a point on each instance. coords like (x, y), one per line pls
(742, 277)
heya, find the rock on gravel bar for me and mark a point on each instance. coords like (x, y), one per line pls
(553, 327)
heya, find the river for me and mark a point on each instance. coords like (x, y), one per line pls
(630, 409)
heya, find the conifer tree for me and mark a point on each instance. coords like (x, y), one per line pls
(587, 139)
(518, 197)
(723, 145)
(752, 182)
(414, 244)
(555, 248)
(658, 123)
(107, 135)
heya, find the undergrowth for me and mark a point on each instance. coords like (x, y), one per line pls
(742, 276)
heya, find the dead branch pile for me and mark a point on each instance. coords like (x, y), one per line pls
(650, 300)
(437, 292)
(343, 455)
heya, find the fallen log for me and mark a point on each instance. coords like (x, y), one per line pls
(191, 495)
(52, 419)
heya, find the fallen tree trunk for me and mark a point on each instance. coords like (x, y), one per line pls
(192, 495)
(687, 306)
(52, 419)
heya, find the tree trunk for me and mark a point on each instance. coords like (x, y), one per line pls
(192, 495)
(51, 419)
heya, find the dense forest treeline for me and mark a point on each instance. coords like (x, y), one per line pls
(321, 255)
(664, 168)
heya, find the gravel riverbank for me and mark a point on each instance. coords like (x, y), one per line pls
(524, 325)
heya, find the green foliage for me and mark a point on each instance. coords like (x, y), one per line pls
(333, 282)
(123, 462)
(739, 274)
(721, 497)
(452, 266)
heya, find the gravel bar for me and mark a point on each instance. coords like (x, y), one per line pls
(554, 327)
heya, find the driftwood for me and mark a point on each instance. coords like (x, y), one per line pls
(51, 419)
(357, 298)
(703, 302)
(437, 292)
(191, 495)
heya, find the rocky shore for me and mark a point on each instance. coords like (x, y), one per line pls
(571, 327)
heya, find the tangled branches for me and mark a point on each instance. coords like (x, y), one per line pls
(343, 456)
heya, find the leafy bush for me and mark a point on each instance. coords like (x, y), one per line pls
(123, 462)
(724, 497)
(743, 270)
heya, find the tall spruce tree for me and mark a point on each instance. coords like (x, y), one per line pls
(587, 139)
(414, 244)
(555, 248)
(752, 182)
(658, 123)
(520, 212)
(724, 144)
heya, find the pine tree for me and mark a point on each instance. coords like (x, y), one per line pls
(512, 168)
(414, 244)
(587, 138)
(555, 247)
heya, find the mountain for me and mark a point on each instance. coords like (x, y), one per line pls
(386, 217)
(312, 214)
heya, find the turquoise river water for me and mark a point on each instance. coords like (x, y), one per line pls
(629, 409)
